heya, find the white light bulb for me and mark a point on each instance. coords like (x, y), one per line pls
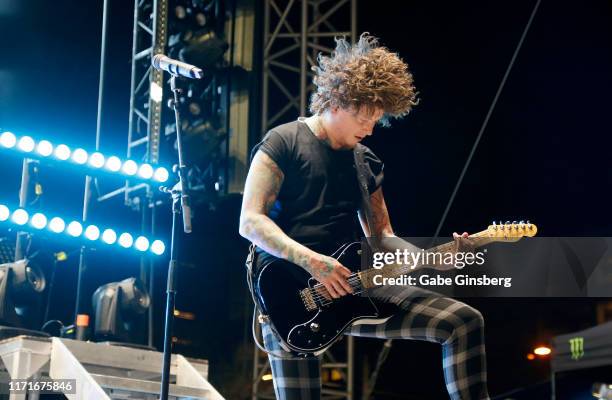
(75, 228)
(62, 152)
(38, 221)
(44, 148)
(57, 225)
(161, 174)
(129, 167)
(26, 144)
(96, 160)
(113, 164)
(79, 156)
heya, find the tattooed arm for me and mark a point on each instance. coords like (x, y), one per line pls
(380, 216)
(262, 186)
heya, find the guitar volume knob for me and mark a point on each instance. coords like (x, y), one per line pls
(314, 327)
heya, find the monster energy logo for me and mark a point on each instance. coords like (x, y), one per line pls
(577, 347)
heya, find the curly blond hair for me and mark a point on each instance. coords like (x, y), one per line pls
(363, 76)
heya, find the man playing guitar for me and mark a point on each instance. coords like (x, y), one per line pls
(300, 201)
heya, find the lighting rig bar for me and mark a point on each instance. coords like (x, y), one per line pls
(95, 161)
(39, 221)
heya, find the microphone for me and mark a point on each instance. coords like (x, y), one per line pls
(175, 67)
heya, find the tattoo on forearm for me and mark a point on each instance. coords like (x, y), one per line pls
(380, 215)
(262, 187)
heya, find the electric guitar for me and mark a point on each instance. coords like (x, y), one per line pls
(307, 320)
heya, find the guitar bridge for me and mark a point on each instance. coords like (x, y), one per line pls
(308, 299)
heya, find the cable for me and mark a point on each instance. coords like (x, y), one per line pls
(486, 121)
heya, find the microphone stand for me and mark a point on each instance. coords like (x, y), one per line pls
(180, 203)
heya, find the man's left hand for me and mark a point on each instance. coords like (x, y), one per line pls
(463, 243)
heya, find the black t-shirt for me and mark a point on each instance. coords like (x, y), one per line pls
(319, 197)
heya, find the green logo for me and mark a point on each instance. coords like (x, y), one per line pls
(577, 347)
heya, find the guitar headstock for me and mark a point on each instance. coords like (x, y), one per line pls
(511, 231)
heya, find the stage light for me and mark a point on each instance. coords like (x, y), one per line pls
(119, 309)
(109, 236)
(96, 160)
(44, 148)
(113, 164)
(38, 221)
(161, 175)
(158, 247)
(542, 351)
(129, 168)
(20, 216)
(4, 212)
(530, 357)
(126, 240)
(79, 156)
(142, 243)
(75, 228)
(92, 232)
(21, 284)
(145, 171)
(8, 140)
(26, 144)
(57, 225)
(266, 377)
(62, 152)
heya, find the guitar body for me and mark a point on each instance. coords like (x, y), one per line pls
(307, 330)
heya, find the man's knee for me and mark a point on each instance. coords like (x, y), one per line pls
(468, 315)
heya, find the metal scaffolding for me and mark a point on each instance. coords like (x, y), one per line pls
(294, 32)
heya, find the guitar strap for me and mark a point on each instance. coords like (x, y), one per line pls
(366, 206)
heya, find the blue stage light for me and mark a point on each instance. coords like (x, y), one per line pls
(158, 247)
(20, 216)
(96, 160)
(92, 232)
(38, 221)
(4, 212)
(62, 152)
(44, 148)
(145, 171)
(75, 229)
(129, 167)
(26, 144)
(57, 225)
(161, 174)
(142, 243)
(113, 164)
(8, 140)
(79, 156)
(109, 236)
(126, 240)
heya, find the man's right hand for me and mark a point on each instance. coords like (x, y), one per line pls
(332, 275)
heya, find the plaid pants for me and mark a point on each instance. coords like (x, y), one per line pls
(423, 315)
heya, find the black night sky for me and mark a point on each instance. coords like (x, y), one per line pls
(544, 156)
